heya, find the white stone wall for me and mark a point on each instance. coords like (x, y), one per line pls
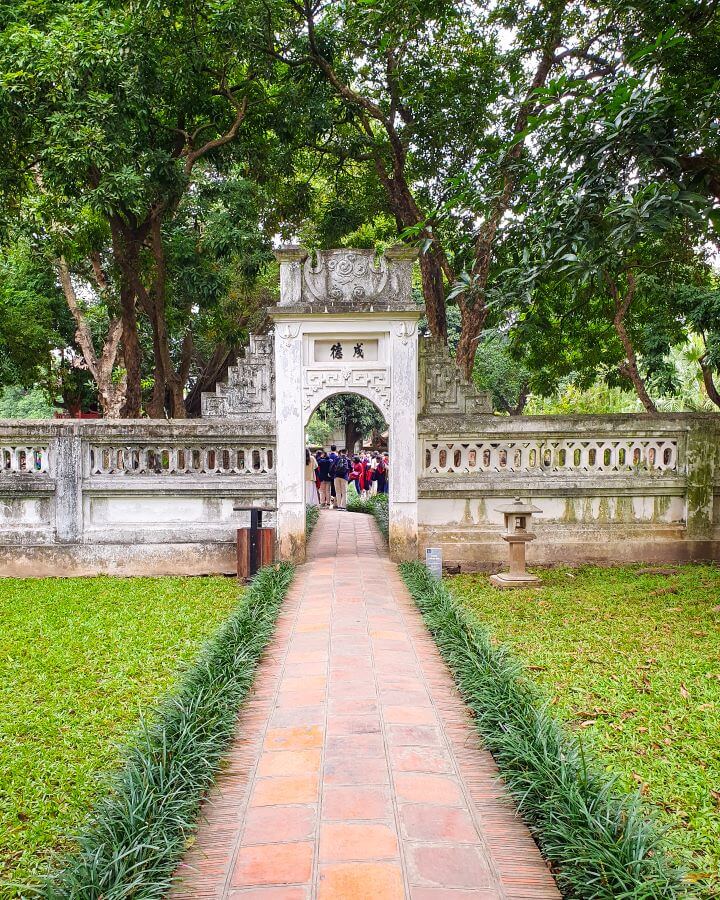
(148, 497)
(612, 489)
(134, 498)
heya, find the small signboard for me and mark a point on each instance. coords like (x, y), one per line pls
(347, 350)
(433, 561)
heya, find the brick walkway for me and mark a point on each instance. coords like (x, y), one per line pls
(355, 772)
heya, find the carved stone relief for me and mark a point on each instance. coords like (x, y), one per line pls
(347, 279)
(345, 275)
(373, 383)
(250, 387)
(444, 391)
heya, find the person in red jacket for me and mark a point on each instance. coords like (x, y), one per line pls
(356, 475)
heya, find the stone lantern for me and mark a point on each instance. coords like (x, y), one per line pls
(518, 516)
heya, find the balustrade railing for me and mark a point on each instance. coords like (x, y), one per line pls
(164, 459)
(24, 460)
(552, 456)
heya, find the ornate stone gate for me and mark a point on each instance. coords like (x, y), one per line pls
(346, 323)
(151, 497)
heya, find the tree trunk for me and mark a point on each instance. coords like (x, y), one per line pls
(132, 356)
(709, 382)
(111, 396)
(212, 371)
(433, 288)
(473, 318)
(521, 401)
(630, 367)
(126, 250)
(352, 436)
(173, 383)
(473, 308)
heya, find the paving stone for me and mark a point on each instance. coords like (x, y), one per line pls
(273, 864)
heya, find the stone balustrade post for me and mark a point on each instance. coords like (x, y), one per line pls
(66, 455)
(702, 460)
(291, 259)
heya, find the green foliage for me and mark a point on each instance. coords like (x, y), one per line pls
(612, 173)
(319, 429)
(18, 403)
(498, 371)
(81, 659)
(106, 104)
(598, 399)
(375, 505)
(138, 832)
(356, 416)
(628, 660)
(598, 839)
(312, 514)
(33, 317)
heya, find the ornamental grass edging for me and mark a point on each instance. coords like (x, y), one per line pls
(601, 841)
(312, 514)
(375, 505)
(139, 832)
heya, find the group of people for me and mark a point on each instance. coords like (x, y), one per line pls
(327, 476)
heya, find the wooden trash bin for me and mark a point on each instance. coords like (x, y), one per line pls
(255, 545)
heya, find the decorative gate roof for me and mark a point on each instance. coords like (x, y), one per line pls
(346, 280)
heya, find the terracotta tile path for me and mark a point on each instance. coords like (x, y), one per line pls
(355, 772)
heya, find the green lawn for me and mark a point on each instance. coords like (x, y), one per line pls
(632, 661)
(80, 660)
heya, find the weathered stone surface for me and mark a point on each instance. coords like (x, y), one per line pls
(151, 497)
(613, 489)
(250, 388)
(346, 297)
(134, 560)
(346, 280)
(138, 497)
(443, 390)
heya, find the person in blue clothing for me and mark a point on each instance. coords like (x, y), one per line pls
(324, 480)
(340, 471)
(332, 456)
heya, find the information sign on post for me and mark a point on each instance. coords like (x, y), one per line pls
(433, 561)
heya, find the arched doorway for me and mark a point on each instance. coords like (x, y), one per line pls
(348, 423)
(349, 420)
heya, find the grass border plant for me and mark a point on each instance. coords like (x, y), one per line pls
(138, 833)
(375, 505)
(312, 514)
(600, 840)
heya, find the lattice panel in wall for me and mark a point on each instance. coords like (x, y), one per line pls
(623, 455)
(157, 459)
(23, 460)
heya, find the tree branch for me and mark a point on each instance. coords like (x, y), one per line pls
(83, 334)
(192, 156)
(709, 381)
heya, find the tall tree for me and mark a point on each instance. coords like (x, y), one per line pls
(420, 66)
(119, 109)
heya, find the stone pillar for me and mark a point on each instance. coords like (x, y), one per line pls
(291, 259)
(403, 536)
(68, 471)
(290, 447)
(702, 461)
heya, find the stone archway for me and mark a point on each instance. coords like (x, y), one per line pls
(346, 322)
(339, 393)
